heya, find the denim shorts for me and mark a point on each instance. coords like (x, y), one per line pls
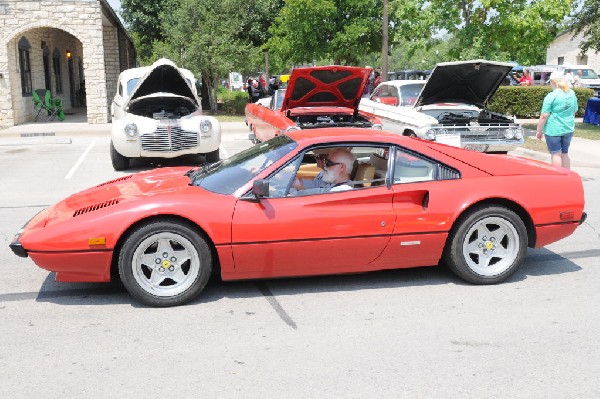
(558, 144)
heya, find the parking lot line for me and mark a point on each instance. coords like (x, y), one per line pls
(80, 160)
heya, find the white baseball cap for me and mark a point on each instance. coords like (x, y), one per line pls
(556, 75)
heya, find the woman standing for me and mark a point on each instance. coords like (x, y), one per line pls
(557, 120)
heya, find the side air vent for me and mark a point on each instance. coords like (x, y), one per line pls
(95, 207)
(115, 180)
(446, 173)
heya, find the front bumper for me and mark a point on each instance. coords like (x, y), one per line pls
(17, 248)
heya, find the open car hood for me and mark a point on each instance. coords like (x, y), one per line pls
(163, 77)
(335, 86)
(469, 82)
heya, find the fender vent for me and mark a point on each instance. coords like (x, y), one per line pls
(115, 180)
(95, 207)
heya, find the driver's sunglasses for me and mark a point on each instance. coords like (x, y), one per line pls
(329, 163)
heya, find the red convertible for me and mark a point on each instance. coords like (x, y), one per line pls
(324, 201)
(316, 97)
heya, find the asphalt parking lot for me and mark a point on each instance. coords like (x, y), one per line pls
(403, 333)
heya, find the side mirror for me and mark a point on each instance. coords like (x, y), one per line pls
(260, 189)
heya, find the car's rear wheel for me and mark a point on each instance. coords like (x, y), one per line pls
(119, 162)
(165, 264)
(487, 245)
(410, 133)
(212, 156)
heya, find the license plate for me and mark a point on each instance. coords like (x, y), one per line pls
(449, 139)
(476, 147)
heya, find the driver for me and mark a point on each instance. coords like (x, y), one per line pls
(337, 168)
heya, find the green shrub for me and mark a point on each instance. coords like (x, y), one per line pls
(526, 102)
(231, 102)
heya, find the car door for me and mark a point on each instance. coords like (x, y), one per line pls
(420, 186)
(336, 232)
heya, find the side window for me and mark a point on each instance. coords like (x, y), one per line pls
(331, 169)
(410, 93)
(409, 168)
(121, 89)
(281, 182)
(385, 94)
(377, 92)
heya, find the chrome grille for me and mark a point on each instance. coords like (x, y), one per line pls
(168, 138)
(479, 132)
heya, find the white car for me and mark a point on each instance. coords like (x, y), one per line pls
(157, 113)
(449, 107)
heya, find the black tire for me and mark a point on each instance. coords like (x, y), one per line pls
(119, 162)
(212, 156)
(151, 271)
(410, 133)
(486, 245)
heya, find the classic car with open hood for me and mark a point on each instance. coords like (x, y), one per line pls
(315, 97)
(157, 113)
(449, 107)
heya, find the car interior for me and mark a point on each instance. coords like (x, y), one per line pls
(369, 170)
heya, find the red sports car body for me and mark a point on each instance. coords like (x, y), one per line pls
(412, 203)
(316, 97)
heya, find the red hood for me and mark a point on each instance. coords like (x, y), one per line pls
(105, 195)
(334, 85)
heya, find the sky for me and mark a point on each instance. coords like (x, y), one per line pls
(115, 4)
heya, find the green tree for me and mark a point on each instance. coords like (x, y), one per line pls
(143, 21)
(202, 37)
(499, 29)
(338, 30)
(587, 22)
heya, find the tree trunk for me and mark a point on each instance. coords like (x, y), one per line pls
(384, 43)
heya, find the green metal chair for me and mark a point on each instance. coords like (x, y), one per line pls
(43, 101)
(54, 106)
(38, 103)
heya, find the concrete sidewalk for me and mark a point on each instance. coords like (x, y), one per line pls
(583, 152)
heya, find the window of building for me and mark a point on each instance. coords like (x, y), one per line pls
(25, 66)
(56, 67)
(561, 60)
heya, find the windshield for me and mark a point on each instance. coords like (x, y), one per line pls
(131, 83)
(226, 176)
(585, 73)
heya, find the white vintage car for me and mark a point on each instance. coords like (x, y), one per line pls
(157, 113)
(449, 107)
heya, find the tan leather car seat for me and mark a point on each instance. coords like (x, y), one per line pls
(364, 171)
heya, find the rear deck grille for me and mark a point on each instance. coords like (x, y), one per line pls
(169, 138)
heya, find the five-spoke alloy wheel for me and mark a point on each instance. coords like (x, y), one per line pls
(487, 245)
(165, 263)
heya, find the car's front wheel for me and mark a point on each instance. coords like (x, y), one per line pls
(487, 245)
(119, 162)
(164, 263)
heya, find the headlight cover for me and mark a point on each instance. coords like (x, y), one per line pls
(431, 134)
(509, 134)
(205, 126)
(131, 130)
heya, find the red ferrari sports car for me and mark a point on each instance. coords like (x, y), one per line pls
(324, 201)
(316, 97)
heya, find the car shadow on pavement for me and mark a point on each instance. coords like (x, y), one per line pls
(538, 262)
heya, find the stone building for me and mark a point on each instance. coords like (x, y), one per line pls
(74, 48)
(564, 50)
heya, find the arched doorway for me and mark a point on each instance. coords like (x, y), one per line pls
(46, 58)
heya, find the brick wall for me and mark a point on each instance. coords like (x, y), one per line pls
(76, 25)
